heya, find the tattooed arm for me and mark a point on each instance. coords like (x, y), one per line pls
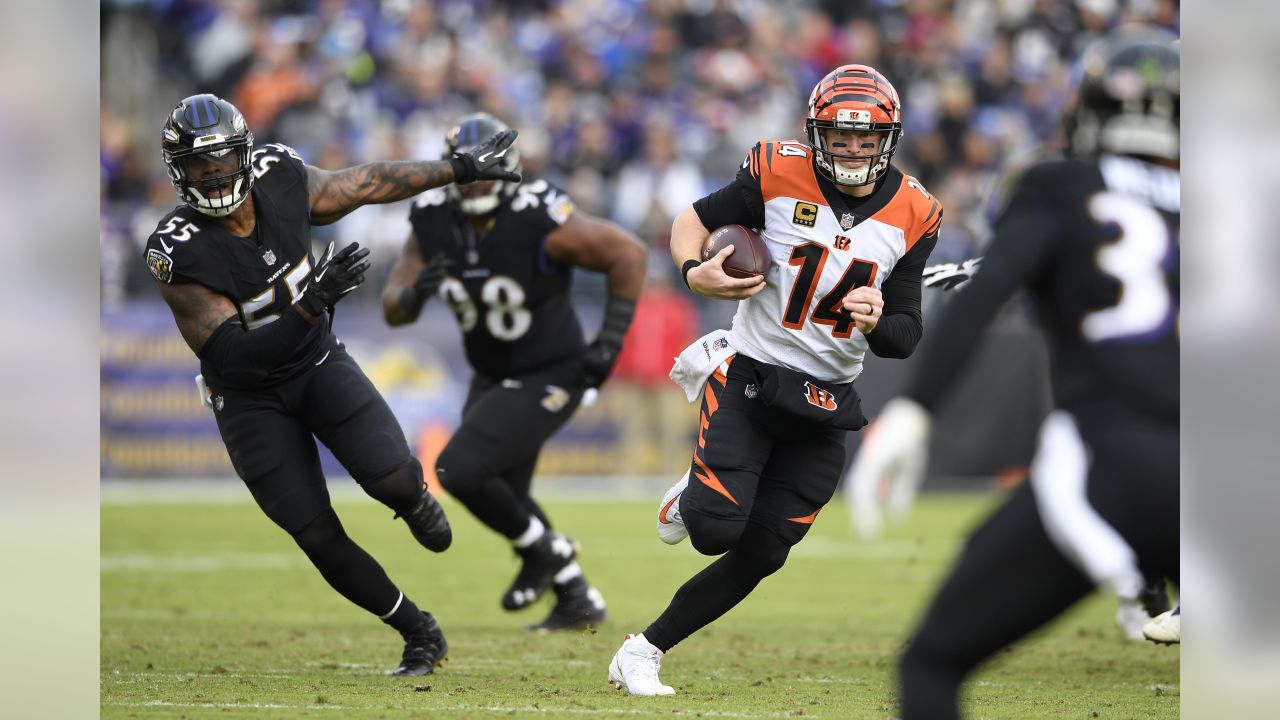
(334, 194)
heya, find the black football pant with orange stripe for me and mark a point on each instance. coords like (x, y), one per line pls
(757, 482)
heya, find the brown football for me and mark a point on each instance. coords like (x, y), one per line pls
(750, 254)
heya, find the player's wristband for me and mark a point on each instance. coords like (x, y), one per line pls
(684, 270)
(463, 172)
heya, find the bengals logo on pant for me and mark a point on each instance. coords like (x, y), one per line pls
(819, 397)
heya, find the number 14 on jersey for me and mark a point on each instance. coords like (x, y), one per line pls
(811, 258)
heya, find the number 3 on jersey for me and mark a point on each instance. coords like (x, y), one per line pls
(811, 258)
(1137, 259)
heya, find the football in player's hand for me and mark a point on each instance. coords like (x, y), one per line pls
(750, 257)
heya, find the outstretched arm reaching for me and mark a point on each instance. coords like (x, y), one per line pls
(334, 194)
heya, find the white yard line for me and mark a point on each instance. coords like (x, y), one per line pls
(229, 490)
(461, 707)
(203, 563)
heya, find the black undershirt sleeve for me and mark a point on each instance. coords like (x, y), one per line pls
(738, 203)
(1025, 236)
(900, 328)
(246, 357)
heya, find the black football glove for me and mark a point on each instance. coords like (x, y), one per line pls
(598, 361)
(484, 161)
(950, 276)
(335, 276)
(430, 279)
(602, 354)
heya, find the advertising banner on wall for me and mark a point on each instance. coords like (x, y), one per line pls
(153, 426)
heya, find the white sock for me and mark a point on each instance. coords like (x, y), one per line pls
(567, 573)
(531, 535)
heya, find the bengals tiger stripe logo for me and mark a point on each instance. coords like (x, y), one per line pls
(819, 397)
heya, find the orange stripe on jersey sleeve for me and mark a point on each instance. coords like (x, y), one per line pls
(789, 176)
(912, 209)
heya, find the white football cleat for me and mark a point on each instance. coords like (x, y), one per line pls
(635, 667)
(1166, 628)
(671, 527)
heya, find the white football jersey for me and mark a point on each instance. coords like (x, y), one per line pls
(820, 252)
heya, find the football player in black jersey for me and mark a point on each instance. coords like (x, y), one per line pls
(502, 256)
(234, 264)
(1093, 238)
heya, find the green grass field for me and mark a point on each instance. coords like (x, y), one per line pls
(209, 611)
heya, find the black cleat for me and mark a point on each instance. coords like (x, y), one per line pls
(542, 560)
(578, 607)
(428, 524)
(425, 649)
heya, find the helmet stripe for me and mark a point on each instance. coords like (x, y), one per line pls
(209, 110)
(886, 107)
(868, 87)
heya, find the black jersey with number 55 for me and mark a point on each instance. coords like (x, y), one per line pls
(510, 298)
(263, 274)
(1095, 243)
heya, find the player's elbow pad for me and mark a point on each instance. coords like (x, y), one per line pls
(247, 357)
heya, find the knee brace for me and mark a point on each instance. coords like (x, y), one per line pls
(712, 535)
(460, 469)
(400, 488)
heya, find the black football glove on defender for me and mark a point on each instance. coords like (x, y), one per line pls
(429, 280)
(484, 161)
(335, 276)
(426, 285)
(602, 353)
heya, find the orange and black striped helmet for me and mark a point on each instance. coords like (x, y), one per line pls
(859, 98)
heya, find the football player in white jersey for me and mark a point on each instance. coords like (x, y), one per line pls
(849, 235)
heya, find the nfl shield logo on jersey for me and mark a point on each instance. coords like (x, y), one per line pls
(269, 257)
(846, 221)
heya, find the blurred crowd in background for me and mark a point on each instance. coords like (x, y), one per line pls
(636, 108)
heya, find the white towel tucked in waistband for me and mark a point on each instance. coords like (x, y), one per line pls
(696, 363)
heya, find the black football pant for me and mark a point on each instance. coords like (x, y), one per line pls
(1012, 578)
(488, 463)
(757, 482)
(271, 433)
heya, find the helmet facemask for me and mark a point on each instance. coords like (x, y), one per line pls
(482, 198)
(845, 165)
(198, 193)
